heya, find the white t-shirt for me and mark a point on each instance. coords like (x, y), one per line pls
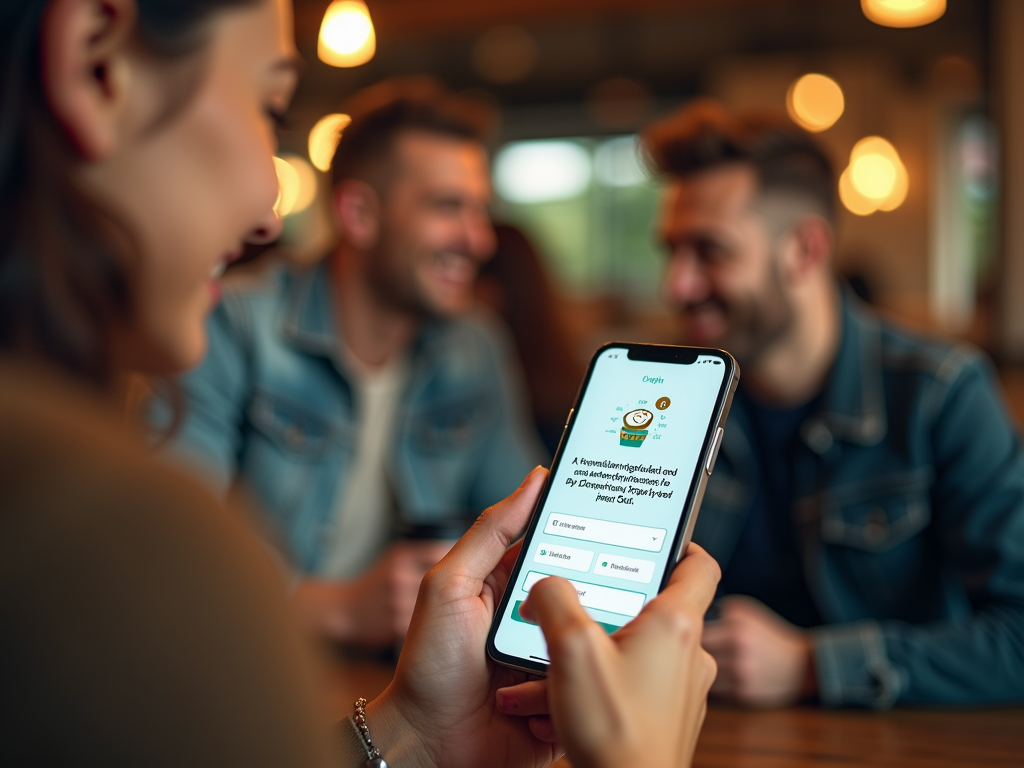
(362, 517)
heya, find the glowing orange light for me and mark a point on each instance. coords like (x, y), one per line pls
(874, 176)
(853, 200)
(347, 38)
(324, 138)
(898, 195)
(307, 184)
(903, 13)
(815, 102)
(287, 187)
(875, 179)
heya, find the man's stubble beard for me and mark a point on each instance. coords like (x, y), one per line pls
(766, 319)
(395, 288)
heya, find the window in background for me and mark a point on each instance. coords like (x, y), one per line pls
(964, 215)
(590, 206)
(979, 162)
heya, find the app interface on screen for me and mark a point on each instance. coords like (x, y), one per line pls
(615, 501)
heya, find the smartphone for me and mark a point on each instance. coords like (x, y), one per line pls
(621, 499)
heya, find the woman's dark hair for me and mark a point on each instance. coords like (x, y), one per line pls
(66, 263)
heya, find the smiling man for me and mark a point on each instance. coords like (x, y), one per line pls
(366, 392)
(867, 507)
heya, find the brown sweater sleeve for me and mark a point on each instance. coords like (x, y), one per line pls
(140, 622)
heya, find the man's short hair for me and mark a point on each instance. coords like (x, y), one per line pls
(704, 135)
(383, 111)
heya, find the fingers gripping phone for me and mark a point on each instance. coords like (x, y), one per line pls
(625, 486)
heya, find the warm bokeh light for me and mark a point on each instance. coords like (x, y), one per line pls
(874, 176)
(287, 187)
(853, 200)
(307, 184)
(347, 38)
(956, 77)
(899, 191)
(903, 13)
(875, 179)
(505, 54)
(815, 102)
(324, 138)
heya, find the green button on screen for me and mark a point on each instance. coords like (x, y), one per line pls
(609, 628)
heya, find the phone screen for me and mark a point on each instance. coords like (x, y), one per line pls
(616, 497)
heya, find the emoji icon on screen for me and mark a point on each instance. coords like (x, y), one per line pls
(634, 431)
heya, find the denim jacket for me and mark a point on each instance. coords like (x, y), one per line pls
(909, 513)
(273, 408)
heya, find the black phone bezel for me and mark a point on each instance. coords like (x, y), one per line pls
(663, 353)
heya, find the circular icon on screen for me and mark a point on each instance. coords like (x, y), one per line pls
(638, 419)
(663, 403)
(634, 431)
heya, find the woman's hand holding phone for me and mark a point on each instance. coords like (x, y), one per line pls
(638, 696)
(441, 707)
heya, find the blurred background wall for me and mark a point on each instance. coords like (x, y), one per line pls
(574, 80)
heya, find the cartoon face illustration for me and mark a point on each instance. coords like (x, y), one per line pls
(638, 419)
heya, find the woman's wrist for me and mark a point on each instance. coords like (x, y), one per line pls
(395, 734)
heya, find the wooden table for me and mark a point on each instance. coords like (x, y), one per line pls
(806, 736)
(801, 736)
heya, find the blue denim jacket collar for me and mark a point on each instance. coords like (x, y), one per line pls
(311, 324)
(854, 404)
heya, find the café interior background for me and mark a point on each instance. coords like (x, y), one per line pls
(937, 242)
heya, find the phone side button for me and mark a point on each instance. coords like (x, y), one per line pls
(569, 417)
(713, 457)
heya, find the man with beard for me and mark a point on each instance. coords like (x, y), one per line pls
(867, 507)
(362, 396)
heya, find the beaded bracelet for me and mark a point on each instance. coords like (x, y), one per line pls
(358, 720)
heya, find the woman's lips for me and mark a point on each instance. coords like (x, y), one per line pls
(218, 270)
(213, 281)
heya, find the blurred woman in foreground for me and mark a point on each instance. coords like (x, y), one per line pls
(140, 624)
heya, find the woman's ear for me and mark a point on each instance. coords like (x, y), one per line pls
(85, 69)
(357, 207)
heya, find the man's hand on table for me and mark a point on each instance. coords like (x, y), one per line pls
(373, 610)
(763, 660)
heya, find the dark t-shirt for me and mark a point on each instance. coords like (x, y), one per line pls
(766, 563)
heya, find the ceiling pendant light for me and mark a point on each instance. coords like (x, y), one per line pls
(346, 37)
(903, 13)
